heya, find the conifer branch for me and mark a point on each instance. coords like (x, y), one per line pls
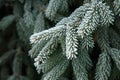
(106, 15)
(36, 48)
(46, 50)
(49, 64)
(116, 4)
(39, 23)
(62, 41)
(84, 58)
(79, 69)
(103, 67)
(89, 22)
(87, 42)
(102, 39)
(24, 32)
(46, 34)
(80, 28)
(57, 71)
(17, 63)
(115, 54)
(71, 42)
(54, 6)
(28, 19)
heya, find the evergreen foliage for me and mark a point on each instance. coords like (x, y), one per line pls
(61, 36)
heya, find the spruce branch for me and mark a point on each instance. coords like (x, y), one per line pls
(78, 26)
(36, 48)
(57, 71)
(79, 69)
(84, 58)
(71, 42)
(62, 41)
(37, 37)
(46, 34)
(56, 31)
(115, 73)
(46, 50)
(39, 26)
(82, 23)
(115, 54)
(103, 67)
(87, 42)
(72, 20)
(98, 13)
(102, 39)
(49, 64)
(24, 32)
(39, 23)
(54, 6)
(116, 4)
(106, 15)
(89, 22)
(17, 65)
(28, 19)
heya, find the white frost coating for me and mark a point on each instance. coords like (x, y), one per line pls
(97, 14)
(46, 34)
(37, 63)
(71, 43)
(89, 22)
(105, 13)
(46, 51)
